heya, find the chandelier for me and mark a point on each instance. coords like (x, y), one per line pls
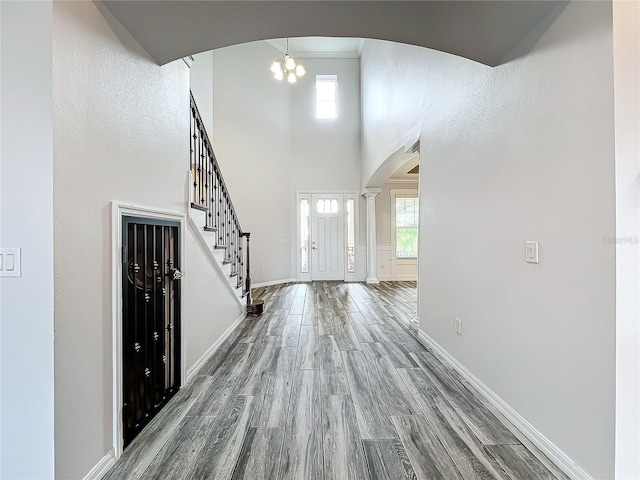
(287, 67)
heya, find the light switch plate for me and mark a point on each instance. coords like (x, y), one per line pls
(10, 262)
(531, 252)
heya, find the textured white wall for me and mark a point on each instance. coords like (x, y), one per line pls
(26, 220)
(326, 152)
(121, 132)
(626, 59)
(253, 147)
(202, 87)
(209, 308)
(270, 145)
(519, 152)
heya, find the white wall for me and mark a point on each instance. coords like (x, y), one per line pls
(209, 308)
(389, 267)
(26, 220)
(202, 87)
(325, 152)
(524, 151)
(270, 145)
(121, 132)
(626, 57)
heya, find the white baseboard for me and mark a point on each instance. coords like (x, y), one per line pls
(103, 466)
(273, 282)
(520, 427)
(213, 348)
(414, 324)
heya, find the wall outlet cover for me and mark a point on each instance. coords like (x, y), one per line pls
(457, 325)
(10, 262)
(531, 251)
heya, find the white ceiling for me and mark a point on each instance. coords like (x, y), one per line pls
(320, 47)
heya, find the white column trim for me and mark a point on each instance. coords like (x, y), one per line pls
(372, 242)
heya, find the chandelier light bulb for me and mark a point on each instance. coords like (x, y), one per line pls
(278, 75)
(276, 67)
(289, 62)
(291, 78)
(300, 71)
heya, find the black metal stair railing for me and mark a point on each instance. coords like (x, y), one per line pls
(210, 194)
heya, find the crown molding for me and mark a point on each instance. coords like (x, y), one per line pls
(311, 55)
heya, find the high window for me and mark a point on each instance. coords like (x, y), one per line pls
(326, 96)
(406, 227)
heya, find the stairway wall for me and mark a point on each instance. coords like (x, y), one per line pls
(121, 133)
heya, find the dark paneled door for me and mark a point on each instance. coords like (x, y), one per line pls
(151, 319)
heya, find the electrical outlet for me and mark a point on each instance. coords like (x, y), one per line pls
(262, 271)
(382, 267)
(457, 325)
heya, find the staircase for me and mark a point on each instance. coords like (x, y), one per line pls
(213, 216)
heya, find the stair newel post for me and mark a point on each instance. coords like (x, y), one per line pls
(247, 286)
(253, 307)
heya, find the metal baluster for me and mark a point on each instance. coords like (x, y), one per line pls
(212, 191)
(136, 345)
(163, 331)
(146, 298)
(169, 379)
(154, 334)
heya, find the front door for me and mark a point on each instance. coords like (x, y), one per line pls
(150, 319)
(327, 237)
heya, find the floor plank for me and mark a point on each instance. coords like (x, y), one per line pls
(429, 458)
(291, 331)
(222, 447)
(302, 448)
(373, 418)
(308, 348)
(385, 382)
(333, 376)
(273, 406)
(364, 332)
(260, 455)
(520, 463)
(343, 450)
(255, 382)
(179, 453)
(387, 460)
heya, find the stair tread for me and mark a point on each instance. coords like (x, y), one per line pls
(210, 229)
(199, 207)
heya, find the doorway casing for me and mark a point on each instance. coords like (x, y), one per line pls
(357, 274)
(118, 212)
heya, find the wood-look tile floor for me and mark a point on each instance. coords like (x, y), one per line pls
(329, 383)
